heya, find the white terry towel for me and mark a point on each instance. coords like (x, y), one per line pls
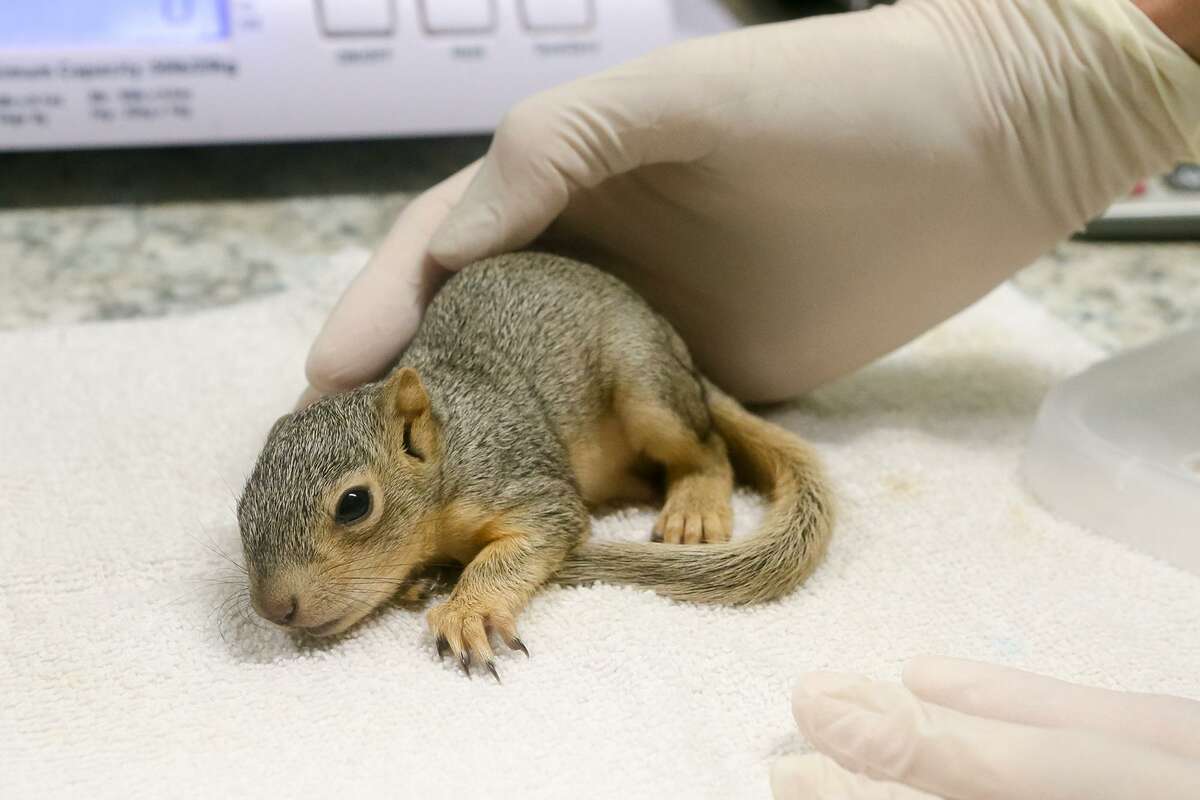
(121, 446)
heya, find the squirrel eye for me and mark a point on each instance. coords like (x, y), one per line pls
(354, 505)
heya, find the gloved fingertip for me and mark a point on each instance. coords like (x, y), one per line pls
(326, 377)
(813, 690)
(307, 398)
(320, 366)
(812, 711)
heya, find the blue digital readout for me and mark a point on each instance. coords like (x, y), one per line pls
(55, 23)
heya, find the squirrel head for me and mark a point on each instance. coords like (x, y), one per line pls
(334, 517)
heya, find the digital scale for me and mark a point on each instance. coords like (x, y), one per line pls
(118, 73)
(103, 73)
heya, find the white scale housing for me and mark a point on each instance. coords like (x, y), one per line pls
(95, 73)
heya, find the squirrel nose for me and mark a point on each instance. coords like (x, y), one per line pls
(280, 610)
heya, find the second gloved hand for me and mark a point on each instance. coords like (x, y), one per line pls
(970, 731)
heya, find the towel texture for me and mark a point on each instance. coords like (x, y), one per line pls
(125, 673)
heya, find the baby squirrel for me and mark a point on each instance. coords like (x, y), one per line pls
(537, 387)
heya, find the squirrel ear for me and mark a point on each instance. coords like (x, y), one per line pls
(405, 395)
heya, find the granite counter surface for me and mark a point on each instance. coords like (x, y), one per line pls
(96, 236)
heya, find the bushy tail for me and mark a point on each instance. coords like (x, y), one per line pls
(769, 564)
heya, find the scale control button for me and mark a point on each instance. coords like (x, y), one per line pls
(458, 16)
(356, 17)
(558, 15)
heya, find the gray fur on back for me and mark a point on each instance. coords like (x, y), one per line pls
(517, 351)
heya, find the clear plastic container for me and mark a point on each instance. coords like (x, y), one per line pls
(1117, 449)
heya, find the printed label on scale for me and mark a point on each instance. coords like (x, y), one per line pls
(111, 90)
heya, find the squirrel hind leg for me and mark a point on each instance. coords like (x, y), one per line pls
(698, 476)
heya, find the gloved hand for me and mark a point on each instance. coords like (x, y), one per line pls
(972, 731)
(801, 198)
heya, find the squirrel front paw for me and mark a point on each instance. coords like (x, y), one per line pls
(461, 626)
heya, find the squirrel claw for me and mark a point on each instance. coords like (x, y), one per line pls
(443, 647)
(462, 629)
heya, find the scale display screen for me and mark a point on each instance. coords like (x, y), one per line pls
(89, 23)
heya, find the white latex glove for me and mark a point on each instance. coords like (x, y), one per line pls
(973, 731)
(801, 198)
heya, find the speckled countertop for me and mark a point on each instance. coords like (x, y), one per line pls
(94, 236)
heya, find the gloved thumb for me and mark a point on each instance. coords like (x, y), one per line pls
(573, 138)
